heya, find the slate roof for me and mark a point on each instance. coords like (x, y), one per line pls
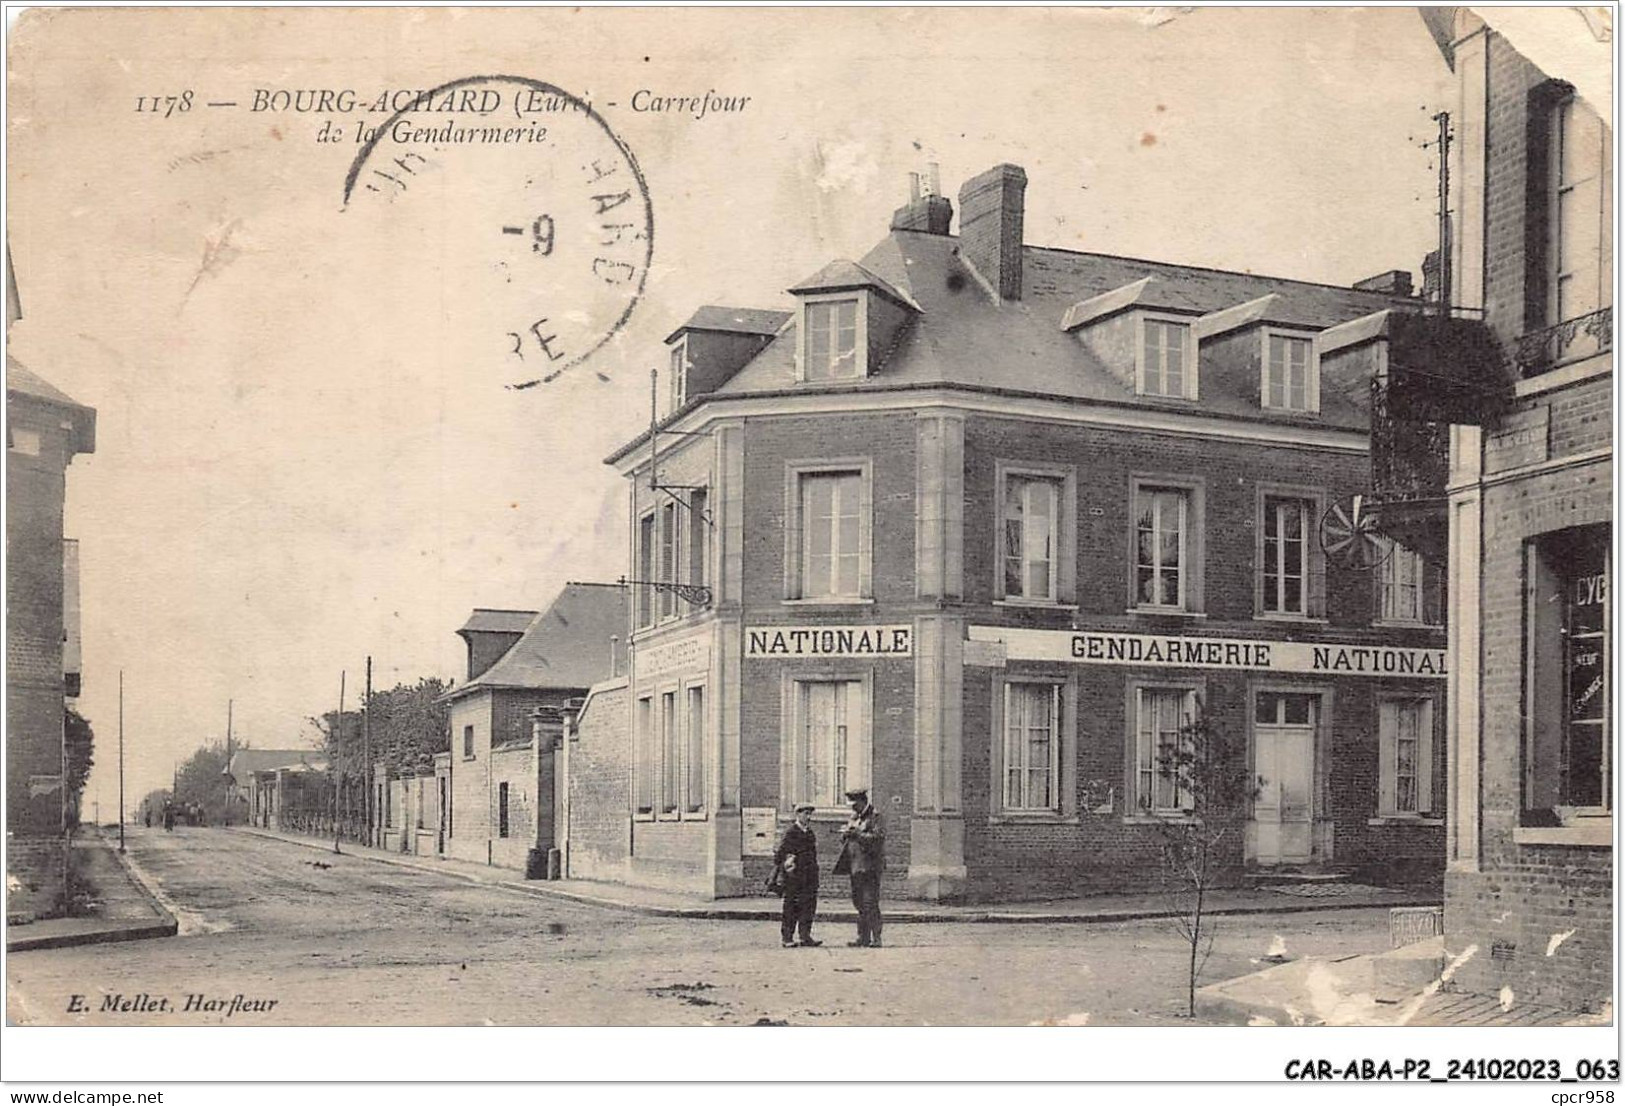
(839, 276)
(247, 761)
(24, 381)
(1148, 292)
(964, 337)
(734, 320)
(567, 646)
(491, 620)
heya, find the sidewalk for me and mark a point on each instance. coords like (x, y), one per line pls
(121, 909)
(1095, 909)
(1407, 986)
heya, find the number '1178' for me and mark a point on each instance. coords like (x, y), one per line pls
(164, 105)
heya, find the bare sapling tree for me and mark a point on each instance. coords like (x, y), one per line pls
(1202, 791)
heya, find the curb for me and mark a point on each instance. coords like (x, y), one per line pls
(542, 890)
(167, 927)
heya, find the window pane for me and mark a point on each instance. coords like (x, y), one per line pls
(818, 341)
(694, 755)
(1012, 557)
(670, 780)
(645, 757)
(1295, 709)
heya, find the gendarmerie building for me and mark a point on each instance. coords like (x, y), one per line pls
(979, 525)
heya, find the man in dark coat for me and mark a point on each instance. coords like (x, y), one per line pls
(863, 856)
(797, 856)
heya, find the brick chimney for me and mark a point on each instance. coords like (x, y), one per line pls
(990, 225)
(1395, 282)
(927, 210)
(1431, 272)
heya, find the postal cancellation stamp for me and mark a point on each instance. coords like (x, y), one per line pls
(537, 173)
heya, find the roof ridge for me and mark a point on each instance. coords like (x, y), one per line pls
(1181, 265)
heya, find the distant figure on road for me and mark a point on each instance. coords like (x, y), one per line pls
(797, 855)
(169, 817)
(863, 856)
(146, 816)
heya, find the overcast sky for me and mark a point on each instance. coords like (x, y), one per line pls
(306, 452)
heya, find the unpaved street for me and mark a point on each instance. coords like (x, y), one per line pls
(273, 933)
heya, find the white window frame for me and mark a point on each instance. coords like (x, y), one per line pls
(1389, 583)
(677, 386)
(797, 750)
(1054, 690)
(692, 801)
(1588, 194)
(796, 536)
(669, 606)
(1189, 385)
(669, 745)
(646, 552)
(1274, 605)
(860, 349)
(1313, 595)
(1191, 543)
(1389, 800)
(699, 539)
(1311, 372)
(1137, 767)
(645, 757)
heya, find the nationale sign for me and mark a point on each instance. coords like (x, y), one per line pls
(1240, 654)
(829, 641)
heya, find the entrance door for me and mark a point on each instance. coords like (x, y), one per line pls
(1284, 757)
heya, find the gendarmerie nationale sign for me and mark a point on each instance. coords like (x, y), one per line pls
(829, 641)
(1167, 651)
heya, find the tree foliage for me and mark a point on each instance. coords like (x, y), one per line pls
(408, 727)
(202, 780)
(79, 745)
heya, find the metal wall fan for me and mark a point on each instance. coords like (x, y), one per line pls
(1350, 538)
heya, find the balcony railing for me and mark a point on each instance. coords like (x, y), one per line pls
(1541, 351)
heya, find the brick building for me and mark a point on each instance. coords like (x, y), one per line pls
(979, 524)
(45, 430)
(493, 797)
(1530, 527)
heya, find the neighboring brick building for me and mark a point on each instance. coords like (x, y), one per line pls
(979, 524)
(493, 799)
(45, 430)
(1530, 873)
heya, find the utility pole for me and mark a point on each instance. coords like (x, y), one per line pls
(1445, 244)
(366, 757)
(121, 760)
(338, 729)
(231, 780)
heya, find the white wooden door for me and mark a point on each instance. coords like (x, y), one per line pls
(1284, 757)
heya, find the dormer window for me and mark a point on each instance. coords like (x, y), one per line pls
(679, 374)
(831, 349)
(1291, 372)
(1167, 363)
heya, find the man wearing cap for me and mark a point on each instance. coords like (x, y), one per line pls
(863, 856)
(797, 856)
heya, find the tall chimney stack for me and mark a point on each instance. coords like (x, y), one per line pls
(991, 207)
(926, 210)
